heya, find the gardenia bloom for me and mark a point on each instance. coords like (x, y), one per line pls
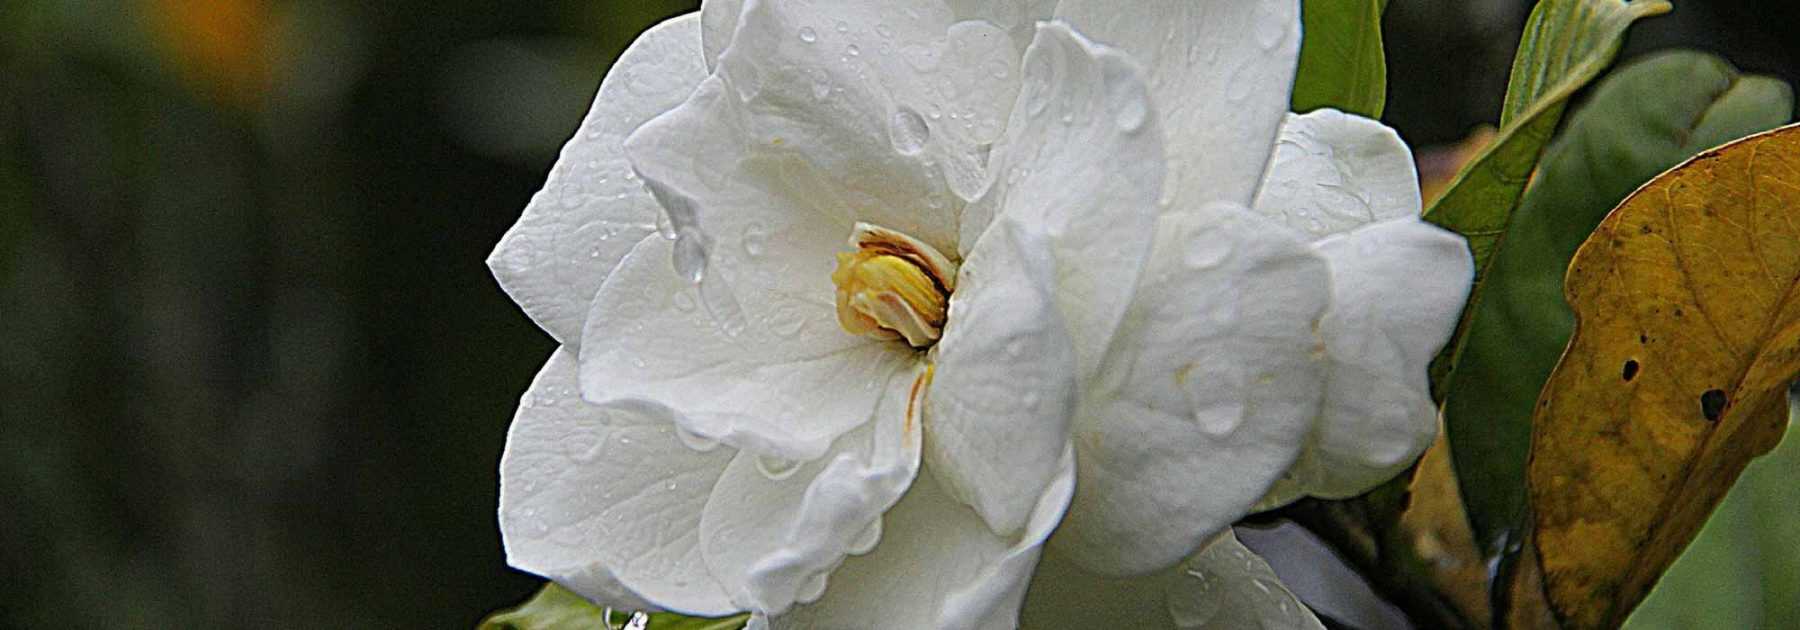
(935, 280)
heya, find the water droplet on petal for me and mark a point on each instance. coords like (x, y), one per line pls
(884, 30)
(722, 305)
(998, 69)
(922, 57)
(1206, 253)
(690, 253)
(1242, 81)
(812, 589)
(1124, 95)
(867, 539)
(852, 50)
(694, 441)
(776, 468)
(789, 327)
(755, 239)
(843, 27)
(684, 301)
(1269, 29)
(1038, 87)
(908, 131)
(808, 35)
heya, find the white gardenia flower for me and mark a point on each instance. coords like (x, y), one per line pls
(937, 280)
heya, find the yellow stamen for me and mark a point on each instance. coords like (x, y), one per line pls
(893, 287)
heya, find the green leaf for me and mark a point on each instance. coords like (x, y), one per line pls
(1642, 120)
(1342, 64)
(556, 608)
(1567, 43)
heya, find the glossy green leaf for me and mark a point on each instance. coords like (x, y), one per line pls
(1567, 43)
(556, 608)
(1342, 63)
(1642, 120)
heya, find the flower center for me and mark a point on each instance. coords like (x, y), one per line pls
(893, 287)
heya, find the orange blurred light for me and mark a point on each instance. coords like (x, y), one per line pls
(219, 46)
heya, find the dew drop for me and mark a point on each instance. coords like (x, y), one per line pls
(852, 51)
(821, 90)
(1130, 106)
(1171, 183)
(884, 30)
(908, 131)
(664, 225)
(1015, 347)
(866, 540)
(755, 239)
(811, 589)
(776, 468)
(921, 57)
(722, 305)
(1207, 253)
(1269, 29)
(789, 327)
(998, 69)
(684, 301)
(690, 253)
(1038, 87)
(694, 441)
(843, 27)
(808, 35)
(1242, 81)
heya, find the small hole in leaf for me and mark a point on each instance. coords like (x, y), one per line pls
(1631, 370)
(1712, 404)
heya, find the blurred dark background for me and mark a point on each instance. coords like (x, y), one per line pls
(253, 371)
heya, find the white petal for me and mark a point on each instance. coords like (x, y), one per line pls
(1334, 172)
(785, 383)
(1397, 290)
(1207, 395)
(1018, 18)
(1082, 162)
(718, 21)
(801, 115)
(1004, 388)
(1227, 587)
(1222, 74)
(1224, 586)
(592, 210)
(938, 566)
(606, 500)
(774, 530)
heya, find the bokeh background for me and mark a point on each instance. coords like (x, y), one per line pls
(253, 372)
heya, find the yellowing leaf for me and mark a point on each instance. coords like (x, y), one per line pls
(1687, 306)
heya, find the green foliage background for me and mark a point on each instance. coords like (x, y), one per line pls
(253, 372)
